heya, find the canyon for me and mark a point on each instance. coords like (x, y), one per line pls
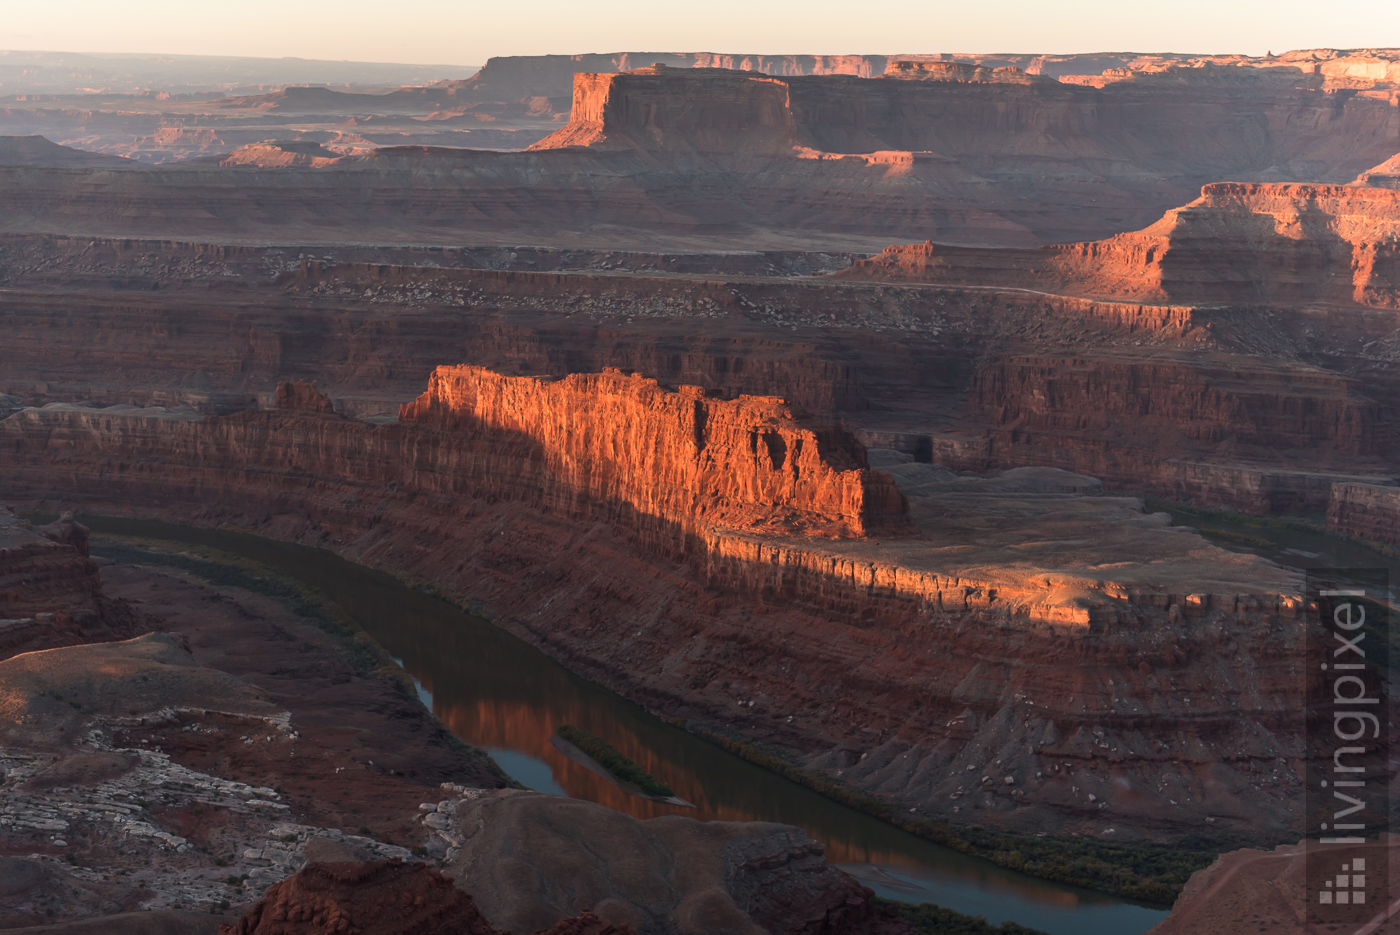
(139, 772)
(811, 403)
(473, 483)
(798, 153)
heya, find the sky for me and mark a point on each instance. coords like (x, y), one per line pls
(467, 32)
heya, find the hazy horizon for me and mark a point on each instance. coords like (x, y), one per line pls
(439, 33)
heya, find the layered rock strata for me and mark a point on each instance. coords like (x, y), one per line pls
(1237, 243)
(1366, 510)
(667, 874)
(931, 670)
(692, 461)
(45, 569)
(1256, 408)
(50, 591)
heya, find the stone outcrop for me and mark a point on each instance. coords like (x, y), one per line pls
(50, 591)
(1237, 243)
(303, 396)
(1366, 510)
(281, 154)
(921, 70)
(979, 377)
(522, 857)
(654, 109)
(1385, 175)
(389, 898)
(683, 457)
(1268, 891)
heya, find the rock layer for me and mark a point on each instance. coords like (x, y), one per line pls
(389, 898)
(1365, 510)
(1237, 243)
(977, 377)
(944, 150)
(50, 591)
(693, 461)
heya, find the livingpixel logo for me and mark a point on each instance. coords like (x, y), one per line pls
(1347, 727)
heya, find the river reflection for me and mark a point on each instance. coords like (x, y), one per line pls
(498, 692)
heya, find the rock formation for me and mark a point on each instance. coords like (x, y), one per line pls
(50, 592)
(281, 154)
(1245, 406)
(1365, 510)
(1235, 244)
(391, 898)
(944, 149)
(1267, 890)
(688, 459)
(522, 856)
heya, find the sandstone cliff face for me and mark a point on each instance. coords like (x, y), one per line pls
(50, 591)
(694, 461)
(1252, 409)
(708, 110)
(1366, 510)
(1240, 243)
(45, 570)
(978, 378)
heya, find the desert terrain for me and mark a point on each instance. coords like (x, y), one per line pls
(828, 408)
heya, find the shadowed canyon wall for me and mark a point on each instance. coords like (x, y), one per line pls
(50, 591)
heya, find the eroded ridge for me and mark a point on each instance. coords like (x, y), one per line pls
(682, 456)
(1237, 243)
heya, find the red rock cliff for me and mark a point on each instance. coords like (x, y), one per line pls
(1238, 242)
(702, 109)
(683, 457)
(50, 592)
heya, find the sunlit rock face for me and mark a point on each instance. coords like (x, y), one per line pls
(1236, 243)
(682, 456)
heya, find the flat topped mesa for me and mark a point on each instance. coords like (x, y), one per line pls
(704, 110)
(961, 72)
(750, 463)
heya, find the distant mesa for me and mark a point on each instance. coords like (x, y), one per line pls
(918, 70)
(282, 154)
(1238, 243)
(39, 151)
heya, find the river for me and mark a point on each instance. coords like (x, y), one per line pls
(495, 691)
